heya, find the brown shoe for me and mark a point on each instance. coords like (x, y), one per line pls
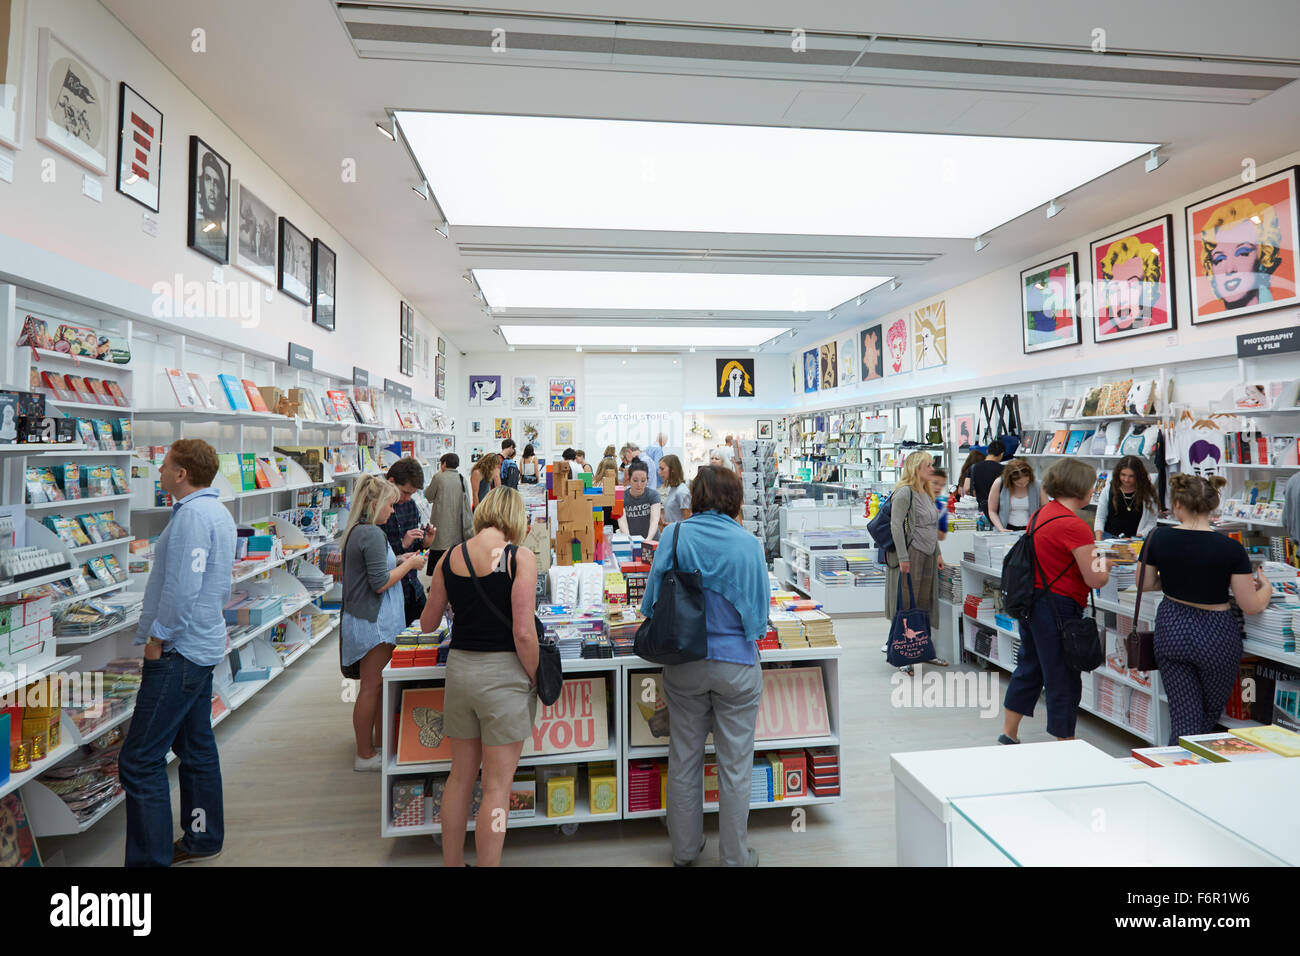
(181, 856)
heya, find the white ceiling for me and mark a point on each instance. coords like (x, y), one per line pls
(285, 76)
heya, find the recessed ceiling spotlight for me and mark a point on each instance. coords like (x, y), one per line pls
(1155, 160)
(384, 130)
(980, 243)
(895, 286)
(1054, 208)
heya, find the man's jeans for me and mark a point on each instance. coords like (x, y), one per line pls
(173, 711)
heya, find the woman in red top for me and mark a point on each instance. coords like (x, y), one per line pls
(1063, 547)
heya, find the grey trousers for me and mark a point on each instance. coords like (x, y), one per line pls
(723, 698)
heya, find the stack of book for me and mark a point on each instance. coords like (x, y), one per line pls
(1275, 626)
(991, 547)
(823, 771)
(789, 631)
(818, 629)
(769, 641)
(760, 781)
(978, 607)
(866, 570)
(643, 786)
(831, 569)
(950, 583)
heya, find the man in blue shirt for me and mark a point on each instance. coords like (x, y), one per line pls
(183, 628)
(653, 455)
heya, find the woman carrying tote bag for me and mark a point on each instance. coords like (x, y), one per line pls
(914, 525)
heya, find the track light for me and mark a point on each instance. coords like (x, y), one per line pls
(466, 276)
(1155, 160)
(512, 348)
(692, 348)
(858, 301)
(421, 189)
(634, 348)
(980, 243)
(1053, 208)
(577, 348)
(895, 286)
(385, 130)
(442, 230)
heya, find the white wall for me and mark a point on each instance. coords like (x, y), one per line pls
(985, 344)
(101, 248)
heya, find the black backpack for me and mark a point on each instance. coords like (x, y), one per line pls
(1019, 569)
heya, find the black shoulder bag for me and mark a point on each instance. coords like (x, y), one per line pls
(1080, 640)
(1140, 646)
(675, 631)
(550, 675)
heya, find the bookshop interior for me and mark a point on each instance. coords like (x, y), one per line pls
(898, 403)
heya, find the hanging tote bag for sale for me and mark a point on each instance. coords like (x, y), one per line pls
(1009, 425)
(935, 435)
(990, 418)
(675, 631)
(909, 634)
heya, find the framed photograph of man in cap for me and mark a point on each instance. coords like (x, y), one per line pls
(209, 202)
(295, 262)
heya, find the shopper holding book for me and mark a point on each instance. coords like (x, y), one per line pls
(722, 692)
(490, 583)
(1128, 506)
(1197, 636)
(374, 608)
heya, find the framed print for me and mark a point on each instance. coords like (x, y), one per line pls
(764, 431)
(812, 376)
(1049, 304)
(406, 339)
(323, 273)
(485, 391)
(563, 395)
(830, 365)
(563, 434)
(476, 427)
(139, 149)
(734, 377)
(501, 428)
(898, 348)
(442, 346)
(963, 431)
(930, 336)
(530, 433)
(420, 731)
(525, 391)
(1241, 249)
(13, 63)
(71, 104)
(848, 349)
(256, 240)
(872, 350)
(295, 262)
(209, 202)
(1132, 282)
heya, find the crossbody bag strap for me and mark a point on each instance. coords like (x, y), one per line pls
(1142, 574)
(464, 550)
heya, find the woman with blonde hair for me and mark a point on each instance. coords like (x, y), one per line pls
(490, 583)
(373, 610)
(673, 491)
(1014, 496)
(483, 477)
(1198, 638)
(915, 560)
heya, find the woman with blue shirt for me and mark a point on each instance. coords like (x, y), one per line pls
(720, 694)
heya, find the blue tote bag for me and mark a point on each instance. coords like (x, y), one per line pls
(909, 634)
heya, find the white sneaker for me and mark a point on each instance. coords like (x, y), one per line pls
(884, 648)
(368, 764)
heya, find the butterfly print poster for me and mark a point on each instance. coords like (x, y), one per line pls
(420, 735)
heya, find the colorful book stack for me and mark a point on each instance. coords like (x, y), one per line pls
(789, 632)
(978, 607)
(1225, 747)
(866, 570)
(823, 772)
(760, 781)
(643, 788)
(818, 629)
(1169, 757)
(769, 641)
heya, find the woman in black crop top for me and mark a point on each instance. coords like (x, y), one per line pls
(1198, 638)
(491, 697)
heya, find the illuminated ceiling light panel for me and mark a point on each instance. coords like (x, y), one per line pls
(524, 171)
(644, 336)
(690, 291)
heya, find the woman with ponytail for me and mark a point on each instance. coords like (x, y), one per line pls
(1198, 638)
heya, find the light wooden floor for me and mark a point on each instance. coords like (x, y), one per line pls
(292, 798)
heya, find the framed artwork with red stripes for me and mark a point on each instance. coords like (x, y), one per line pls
(139, 149)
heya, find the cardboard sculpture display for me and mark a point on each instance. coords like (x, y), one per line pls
(579, 515)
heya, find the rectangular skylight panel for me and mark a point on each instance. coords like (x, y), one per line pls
(642, 336)
(668, 291)
(548, 172)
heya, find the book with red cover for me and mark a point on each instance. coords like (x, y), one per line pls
(201, 390)
(57, 384)
(254, 396)
(259, 476)
(342, 407)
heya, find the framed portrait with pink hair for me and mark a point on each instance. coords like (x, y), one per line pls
(1132, 289)
(1241, 249)
(898, 347)
(1049, 304)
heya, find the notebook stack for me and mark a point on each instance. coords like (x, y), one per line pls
(866, 570)
(643, 786)
(789, 631)
(1275, 626)
(978, 607)
(818, 629)
(992, 547)
(832, 570)
(760, 781)
(950, 583)
(823, 772)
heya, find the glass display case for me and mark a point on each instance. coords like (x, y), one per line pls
(1113, 825)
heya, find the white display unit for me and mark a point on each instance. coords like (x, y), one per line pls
(794, 569)
(1005, 650)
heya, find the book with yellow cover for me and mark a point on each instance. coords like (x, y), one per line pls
(1274, 738)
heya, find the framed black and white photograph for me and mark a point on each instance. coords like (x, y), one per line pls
(323, 264)
(295, 262)
(72, 99)
(764, 432)
(255, 239)
(13, 62)
(139, 148)
(442, 346)
(406, 339)
(209, 202)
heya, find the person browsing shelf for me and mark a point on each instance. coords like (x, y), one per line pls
(963, 476)
(528, 467)
(1014, 496)
(448, 497)
(641, 505)
(1128, 507)
(673, 491)
(580, 461)
(491, 686)
(1064, 551)
(405, 531)
(914, 525)
(184, 635)
(1197, 636)
(984, 473)
(509, 467)
(483, 477)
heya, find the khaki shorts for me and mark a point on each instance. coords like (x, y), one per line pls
(488, 698)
